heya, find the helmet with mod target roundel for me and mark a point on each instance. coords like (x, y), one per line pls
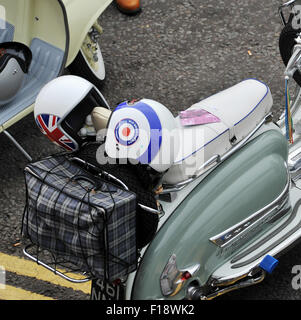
(145, 131)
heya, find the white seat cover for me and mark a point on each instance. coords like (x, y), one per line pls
(240, 108)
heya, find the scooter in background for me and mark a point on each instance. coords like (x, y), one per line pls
(47, 37)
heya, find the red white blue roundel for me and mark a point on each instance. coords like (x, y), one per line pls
(127, 132)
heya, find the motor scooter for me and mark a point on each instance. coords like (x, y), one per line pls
(222, 224)
(60, 34)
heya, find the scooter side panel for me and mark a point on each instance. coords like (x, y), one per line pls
(36, 19)
(247, 182)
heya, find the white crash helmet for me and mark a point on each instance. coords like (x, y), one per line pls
(62, 107)
(144, 131)
(15, 59)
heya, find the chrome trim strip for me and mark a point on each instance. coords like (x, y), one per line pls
(278, 242)
(275, 249)
(235, 260)
(233, 234)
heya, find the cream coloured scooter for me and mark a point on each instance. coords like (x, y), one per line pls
(60, 34)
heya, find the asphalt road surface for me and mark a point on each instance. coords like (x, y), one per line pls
(177, 52)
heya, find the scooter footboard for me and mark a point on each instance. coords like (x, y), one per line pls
(241, 200)
(7, 33)
(45, 66)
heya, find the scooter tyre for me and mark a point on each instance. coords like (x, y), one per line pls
(286, 45)
(80, 68)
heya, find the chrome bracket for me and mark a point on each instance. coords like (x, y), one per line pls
(283, 6)
(17, 144)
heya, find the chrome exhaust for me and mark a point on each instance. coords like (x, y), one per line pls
(215, 289)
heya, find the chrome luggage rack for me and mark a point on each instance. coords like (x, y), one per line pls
(54, 269)
(107, 176)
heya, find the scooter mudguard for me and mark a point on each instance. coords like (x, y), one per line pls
(194, 235)
(81, 17)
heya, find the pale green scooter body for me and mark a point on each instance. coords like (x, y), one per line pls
(244, 184)
(209, 232)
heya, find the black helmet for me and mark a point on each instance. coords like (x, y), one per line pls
(15, 59)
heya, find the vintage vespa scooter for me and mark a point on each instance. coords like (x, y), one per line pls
(47, 37)
(228, 195)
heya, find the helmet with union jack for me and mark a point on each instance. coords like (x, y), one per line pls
(62, 107)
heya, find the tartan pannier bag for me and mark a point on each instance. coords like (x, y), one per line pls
(80, 218)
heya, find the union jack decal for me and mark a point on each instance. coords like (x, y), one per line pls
(48, 126)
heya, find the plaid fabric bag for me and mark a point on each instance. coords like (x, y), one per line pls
(75, 215)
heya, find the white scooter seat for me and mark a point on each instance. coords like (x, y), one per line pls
(240, 108)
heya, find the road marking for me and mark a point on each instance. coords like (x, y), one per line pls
(13, 293)
(31, 269)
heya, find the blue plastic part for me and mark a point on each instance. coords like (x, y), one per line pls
(268, 263)
(7, 34)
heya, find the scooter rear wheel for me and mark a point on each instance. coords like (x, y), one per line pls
(286, 45)
(94, 71)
